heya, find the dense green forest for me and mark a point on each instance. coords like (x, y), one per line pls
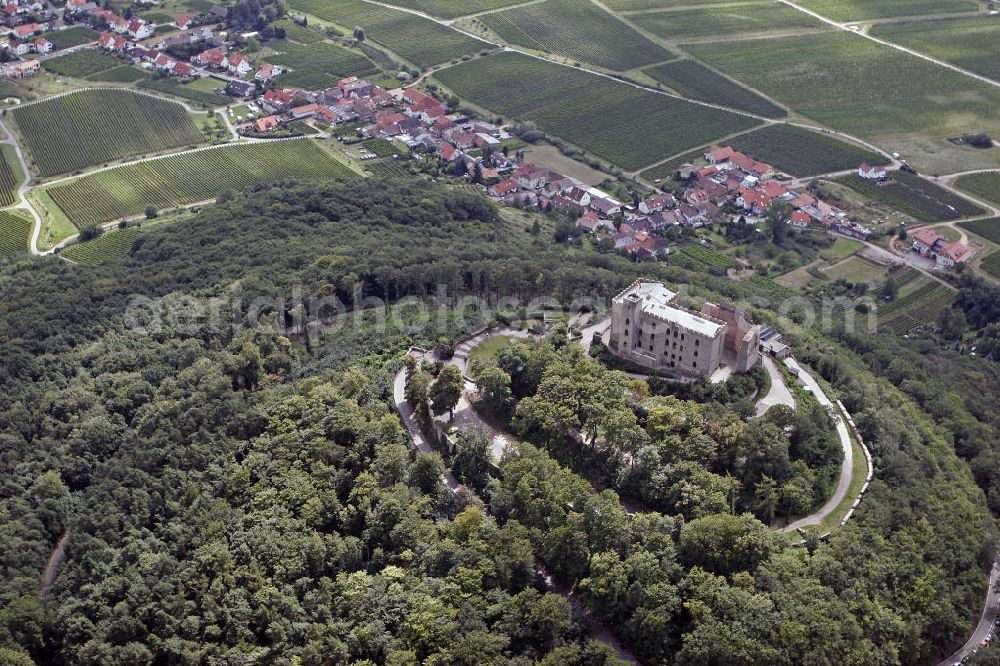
(234, 496)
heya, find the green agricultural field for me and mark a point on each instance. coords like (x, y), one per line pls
(381, 147)
(188, 91)
(318, 65)
(91, 127)
(736, 19)
(15, 234)
(420, 41)
(665, 171)
(8, 89)
(120, 74)
(187, 178)
(856, 270)
(918, 198)
(801, 152)
(917, 308)
(623, 124)
(988, 229)
(298, 33)
(863, 88)
(990, 263)
(692, 79)
(70, 37)
(646, 5)
(984, 186)
(858, 10)
(11, 175)
(703, 257)
(81, 64)
(386, 168)
(107, 247)
(971, 43)
(576, 29)
(449, 9)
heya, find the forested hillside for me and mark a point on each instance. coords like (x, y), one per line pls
(232, 496)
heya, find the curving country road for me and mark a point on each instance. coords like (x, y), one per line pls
(846, 467)
(986, 623)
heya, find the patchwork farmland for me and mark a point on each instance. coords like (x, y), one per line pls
(917, 308)
(984, 186)
(91, 127)
(988, 228)
(15, 234)
(973, 44)
(107, 247)
(576, 29)
(855, 85)
(318, 65)
(11, 175)
(801, 152)
(420, 41)
(449, 9)
(914, 196)
(187, 178)
(692, 79)
(623, 124)
(858, 10)
(732, 19)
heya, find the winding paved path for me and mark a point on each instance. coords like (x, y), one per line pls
(986, 621)
(846, 467)
(778, 394)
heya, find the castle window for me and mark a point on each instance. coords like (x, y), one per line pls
(695, 352)
(682, 337)
(696, 342)
(626, 321)
(694, 364)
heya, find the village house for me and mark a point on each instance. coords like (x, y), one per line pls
(43, 45)
(241, 89)
(112, 42)
(20, 69)
(951, 254)
(214, 58)
(268, 71)
(238, 65)
(139, 29)
(927, 241)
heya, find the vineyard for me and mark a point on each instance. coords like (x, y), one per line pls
(318, 65)
(91, 127)
(767, 284)
(705, 257)
(70, 37)
(11, 175)
(914, 196)
(184, 91)
(380, 147)
(743, 19)
(917, 308)
(449, 9)
(109, 246)
(576, 29)
(988, 229)
(625, 125)
(661, 174)
(801, 152)
(991, 264)
(854, 10)
(985, 186)
(181, 179)
(298, 33)
(420, 41)
(694, 80)
(855, 85)
(120, 74)
(15, 234)
(386, 168)
(971, 43)
(81, 64)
